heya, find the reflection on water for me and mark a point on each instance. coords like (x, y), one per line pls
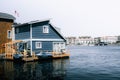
(86, 63)
(46, 70)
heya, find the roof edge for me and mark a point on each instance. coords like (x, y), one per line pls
(7, 16)
(32, 22)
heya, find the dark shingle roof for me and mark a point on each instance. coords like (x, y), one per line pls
(6, 16)
(32, 22)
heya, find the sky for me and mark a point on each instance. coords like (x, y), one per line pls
(75, 17)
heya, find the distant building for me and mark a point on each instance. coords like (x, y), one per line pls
(70, 40)
(89, 41)
(109, 39)
(97, 40)
(85, 40)
(119, 38)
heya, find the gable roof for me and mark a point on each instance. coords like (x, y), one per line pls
(41, 21)
(31, 22)
(57, 32)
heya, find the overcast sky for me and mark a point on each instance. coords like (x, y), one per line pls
(74, 17)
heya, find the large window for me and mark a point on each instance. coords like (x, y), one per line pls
(38, 44)
(45, 29)
(9, 34)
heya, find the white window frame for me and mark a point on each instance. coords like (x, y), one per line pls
(38, 45)
(45, 29)
(9, 34)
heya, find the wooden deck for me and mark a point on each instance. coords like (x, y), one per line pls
(65, 55)
(55, 55)
(27, 59)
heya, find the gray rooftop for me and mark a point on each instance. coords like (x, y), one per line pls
(6, 16)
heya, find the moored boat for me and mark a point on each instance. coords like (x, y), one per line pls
(44, 55)
(18, 57)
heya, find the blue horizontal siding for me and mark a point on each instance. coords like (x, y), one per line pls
(24, 32)
(25, 28)
(38, 33)
(23, 35)
(46, 46)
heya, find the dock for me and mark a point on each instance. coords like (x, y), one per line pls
(57, 56)
(28, 59)
(12, 54)
(35, 58)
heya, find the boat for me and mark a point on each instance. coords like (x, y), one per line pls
(17, 57)
(44, 55)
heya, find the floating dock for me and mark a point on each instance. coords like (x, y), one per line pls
(11, 53)
(63, 55)
(35, 58)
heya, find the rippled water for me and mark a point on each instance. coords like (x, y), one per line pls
(85, 63)
(94, 63)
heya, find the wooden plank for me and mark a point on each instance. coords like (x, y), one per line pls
(62, 55)
(26, 59)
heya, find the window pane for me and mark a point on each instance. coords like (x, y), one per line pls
(38, 45)
(9, 34)
(45, 29)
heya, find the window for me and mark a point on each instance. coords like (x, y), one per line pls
(62, 45)
(9, 35)
(45, 29)
(38, 45)
(17, 30)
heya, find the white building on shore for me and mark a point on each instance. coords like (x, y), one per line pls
(71, 40)
(109, 39)
(86, 40)
(89, 41)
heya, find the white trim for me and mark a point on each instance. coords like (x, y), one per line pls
(31, 38)
(43, 40)
(13, 33)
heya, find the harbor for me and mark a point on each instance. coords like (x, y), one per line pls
(60, 40)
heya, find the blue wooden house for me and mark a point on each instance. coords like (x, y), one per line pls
(40, 36)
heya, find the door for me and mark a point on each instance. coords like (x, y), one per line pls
(58, 46)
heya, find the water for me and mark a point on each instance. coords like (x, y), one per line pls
(85, 63)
